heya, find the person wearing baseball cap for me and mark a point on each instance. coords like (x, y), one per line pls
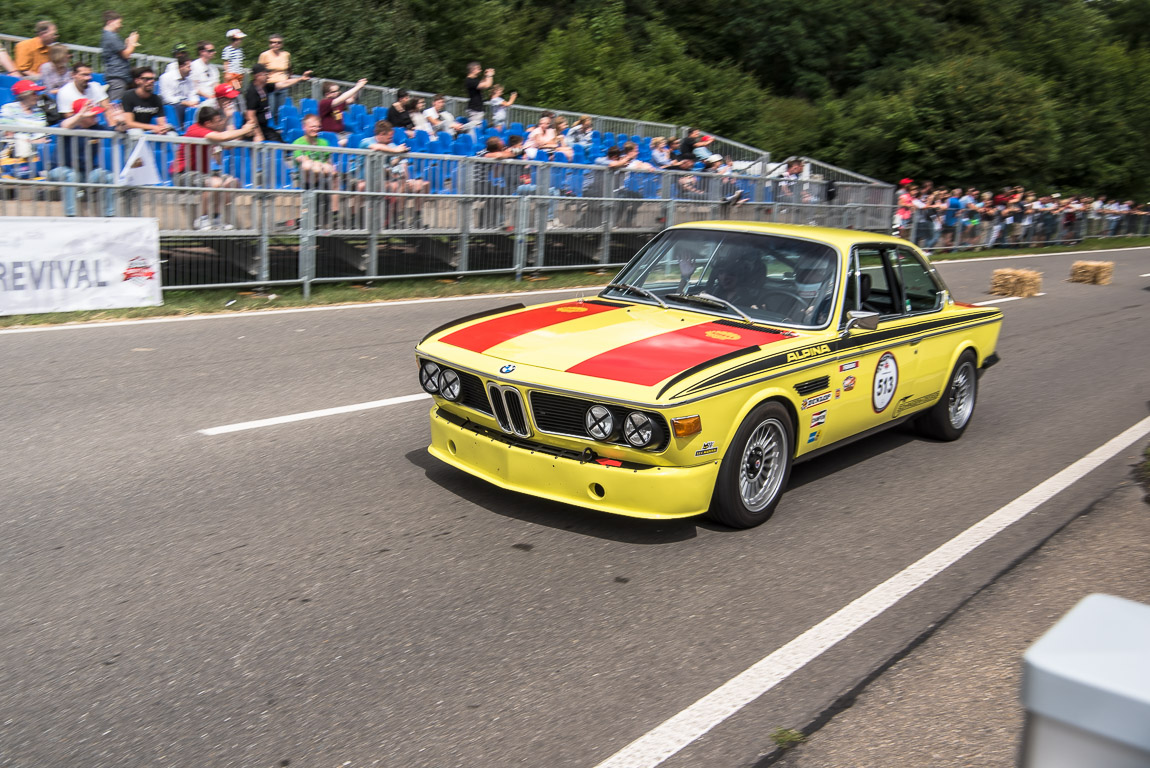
(81, 158)
(225, 99)
(233, 55)
(25, 112)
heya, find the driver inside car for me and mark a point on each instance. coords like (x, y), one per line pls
(735, 279)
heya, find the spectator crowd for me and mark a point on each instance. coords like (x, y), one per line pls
(195, 97)
(947, 219)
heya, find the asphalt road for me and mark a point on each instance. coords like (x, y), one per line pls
(324, 593)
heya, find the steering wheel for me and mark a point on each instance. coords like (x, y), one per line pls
(782, 302)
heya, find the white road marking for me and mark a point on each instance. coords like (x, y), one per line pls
(312, 414)
(589, 289)
(1145, 275)
(999, 301)
(667, 739)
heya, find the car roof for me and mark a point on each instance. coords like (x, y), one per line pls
(840, 238)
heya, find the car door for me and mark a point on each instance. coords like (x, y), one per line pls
(875, 369)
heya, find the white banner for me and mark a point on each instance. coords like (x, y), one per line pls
(64, 264)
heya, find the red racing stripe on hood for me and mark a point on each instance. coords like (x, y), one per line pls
(483, 336)
(649, 361)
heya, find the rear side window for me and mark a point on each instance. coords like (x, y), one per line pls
(920, 291)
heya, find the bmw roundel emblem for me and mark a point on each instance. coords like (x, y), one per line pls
(507, 369)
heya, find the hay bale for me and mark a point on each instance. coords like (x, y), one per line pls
(1015, 282)
(1093, 272)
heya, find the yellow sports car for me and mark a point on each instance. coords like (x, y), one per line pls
(722, 353)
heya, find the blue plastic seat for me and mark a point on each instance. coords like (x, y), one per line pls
(464, 145)
(419, 141)
(516, 129)
(399, 136)
(308, 107)
(330, 138)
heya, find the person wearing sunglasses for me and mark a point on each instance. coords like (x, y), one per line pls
(278, 64)
(143, 108)
(205, 75)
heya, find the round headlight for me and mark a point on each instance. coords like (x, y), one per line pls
(599, 422)
(449, 384)
(429, 376)
(640, 430)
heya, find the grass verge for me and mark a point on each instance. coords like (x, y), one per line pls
(184, 303)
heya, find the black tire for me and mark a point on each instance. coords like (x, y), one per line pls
(948, 418)
(755, 471)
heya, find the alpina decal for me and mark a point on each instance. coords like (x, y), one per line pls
(803, 354)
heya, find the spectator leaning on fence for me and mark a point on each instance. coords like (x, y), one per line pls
(193, 165)
(116, 54)
(83, 157)
(177, 89)
(57, 71)
(205, 75)
(30, 54)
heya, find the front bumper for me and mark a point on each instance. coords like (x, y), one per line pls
(650, 492)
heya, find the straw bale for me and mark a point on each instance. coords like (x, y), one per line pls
(1015, 282)
(1094, 272)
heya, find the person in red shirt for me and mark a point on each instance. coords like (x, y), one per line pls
(193, 165)
(333, 105)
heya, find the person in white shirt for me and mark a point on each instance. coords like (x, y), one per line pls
(81, 87)
(205, 75)
(440, 119)
(177, 88)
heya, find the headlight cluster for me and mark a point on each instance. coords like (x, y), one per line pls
(442, 381)
(639, 429)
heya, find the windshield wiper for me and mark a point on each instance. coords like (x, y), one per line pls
(706, 298)
(639, 290)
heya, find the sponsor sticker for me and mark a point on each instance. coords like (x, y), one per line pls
(814, 436)
(139, 271)
(885, 382)
(507, 369)
(803, 354)
(838, 394)
(818, 418)
(849, 366)
(723, 335)
(811, 402)
(849, 383)
(708, 447)
(906, 404)
(569, 310)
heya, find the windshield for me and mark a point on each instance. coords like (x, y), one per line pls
(763, 278)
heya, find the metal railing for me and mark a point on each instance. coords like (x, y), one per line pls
(247, 214)
(934, 230)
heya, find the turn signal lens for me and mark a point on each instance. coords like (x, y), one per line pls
(686, 425)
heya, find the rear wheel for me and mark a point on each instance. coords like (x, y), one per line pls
(755, 471)
(948, 418)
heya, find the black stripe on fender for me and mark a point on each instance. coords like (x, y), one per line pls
(892, 336)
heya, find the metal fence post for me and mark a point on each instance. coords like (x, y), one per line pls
(466, 207)
(522, 213)
(307, 233)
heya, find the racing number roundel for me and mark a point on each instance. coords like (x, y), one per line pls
(885, 382)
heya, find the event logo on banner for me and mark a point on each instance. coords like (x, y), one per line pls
(66, 264)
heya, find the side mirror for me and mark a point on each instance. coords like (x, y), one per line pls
(867, 321)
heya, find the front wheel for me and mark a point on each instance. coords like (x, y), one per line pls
(755, 471)
(949, 417)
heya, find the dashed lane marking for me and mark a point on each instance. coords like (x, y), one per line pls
(240, 427)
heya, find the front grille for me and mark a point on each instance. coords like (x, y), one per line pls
(562, 415)
(814, 385)
(507, 404)
(472, 393)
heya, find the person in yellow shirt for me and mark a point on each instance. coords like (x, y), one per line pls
(31, 54)
(278, 63)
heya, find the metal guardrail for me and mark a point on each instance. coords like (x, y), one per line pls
(373, 96)
(378, 216)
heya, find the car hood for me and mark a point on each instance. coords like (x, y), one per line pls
(634, 344)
